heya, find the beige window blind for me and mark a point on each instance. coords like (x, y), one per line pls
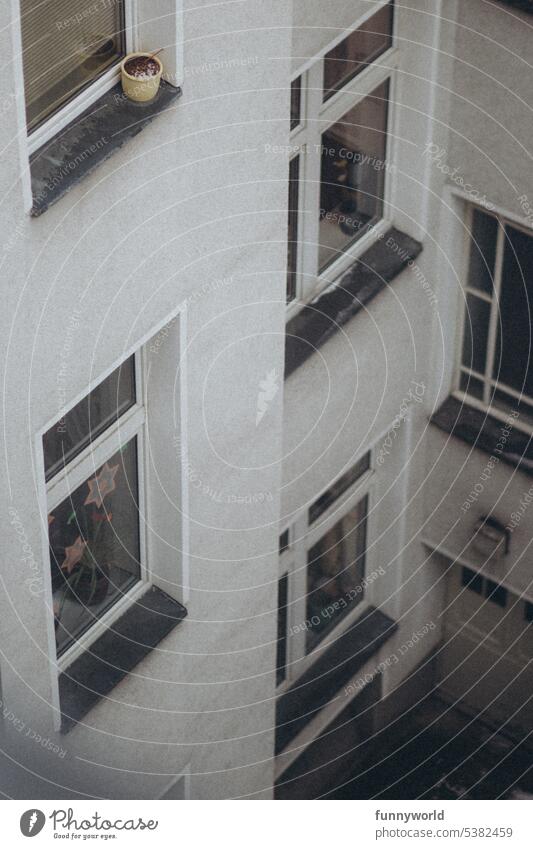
(66, 45)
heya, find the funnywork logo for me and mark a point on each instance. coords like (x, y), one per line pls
(32, 822)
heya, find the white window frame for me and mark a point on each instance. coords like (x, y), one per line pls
(92, 91)
(316, 117)
(293, 562)
(121, 431)
(489, 384)
(141, 347)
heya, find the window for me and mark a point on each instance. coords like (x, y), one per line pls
(93, 466)
(495, 366)
(340, 486)
(323, 575)
(65, 48)
(472, 580)
(339, 122)
(335, 570)
(352, 175)
(358, 50)
(296, 102)
(292, 242)
(284, 541)
(482, 586)
(281, 651)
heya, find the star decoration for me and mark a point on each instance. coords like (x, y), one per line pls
(73, 554)
(101, 485)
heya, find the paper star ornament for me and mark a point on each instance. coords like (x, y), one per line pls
(73, 554)
(101, 485)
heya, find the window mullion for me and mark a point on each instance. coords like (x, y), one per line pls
(297, 601)
(310, 181)
(494, 315)
(96, 453)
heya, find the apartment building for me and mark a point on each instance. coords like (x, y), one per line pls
(266, 389)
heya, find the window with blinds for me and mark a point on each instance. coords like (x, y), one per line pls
(66, 45)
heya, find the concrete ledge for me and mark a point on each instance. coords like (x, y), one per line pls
(485, 432)
(317, 322)
(89, 140)
(93, 675)
(332, 670)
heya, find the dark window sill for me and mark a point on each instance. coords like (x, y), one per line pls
(89, 140)
(373, 271)
(332, 671)
(93, 675)
(485, 432)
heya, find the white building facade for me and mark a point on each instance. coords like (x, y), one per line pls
(266, 467)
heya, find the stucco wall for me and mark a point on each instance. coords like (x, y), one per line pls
(491, 105)
(189, 202)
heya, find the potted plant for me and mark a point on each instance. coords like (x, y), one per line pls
(141, 75)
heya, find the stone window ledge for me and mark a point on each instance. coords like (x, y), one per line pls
(485, 432)
(373, 271)
(108, 660)
(332, 671)
(89, 140)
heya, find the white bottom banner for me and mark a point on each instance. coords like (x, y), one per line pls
(258, 824)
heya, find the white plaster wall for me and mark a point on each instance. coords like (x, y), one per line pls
(190, 201)
(490, 137)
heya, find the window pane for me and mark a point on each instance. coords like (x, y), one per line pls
(65, 46)
(358, 50)
(482, 251)
(341, 485)
(353, 174)
(472, 580)
(284, 541)
(512, 364)
(292, 243)
(471, 386)
(94, 545)
(335, 569)
(88, 419)
(496, 593)
(281, 653)
(476, 333)
(296, 102)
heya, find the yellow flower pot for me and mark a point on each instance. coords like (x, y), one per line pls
(140, 89)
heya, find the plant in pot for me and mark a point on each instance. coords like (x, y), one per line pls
(86, 566)
(140, 74)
